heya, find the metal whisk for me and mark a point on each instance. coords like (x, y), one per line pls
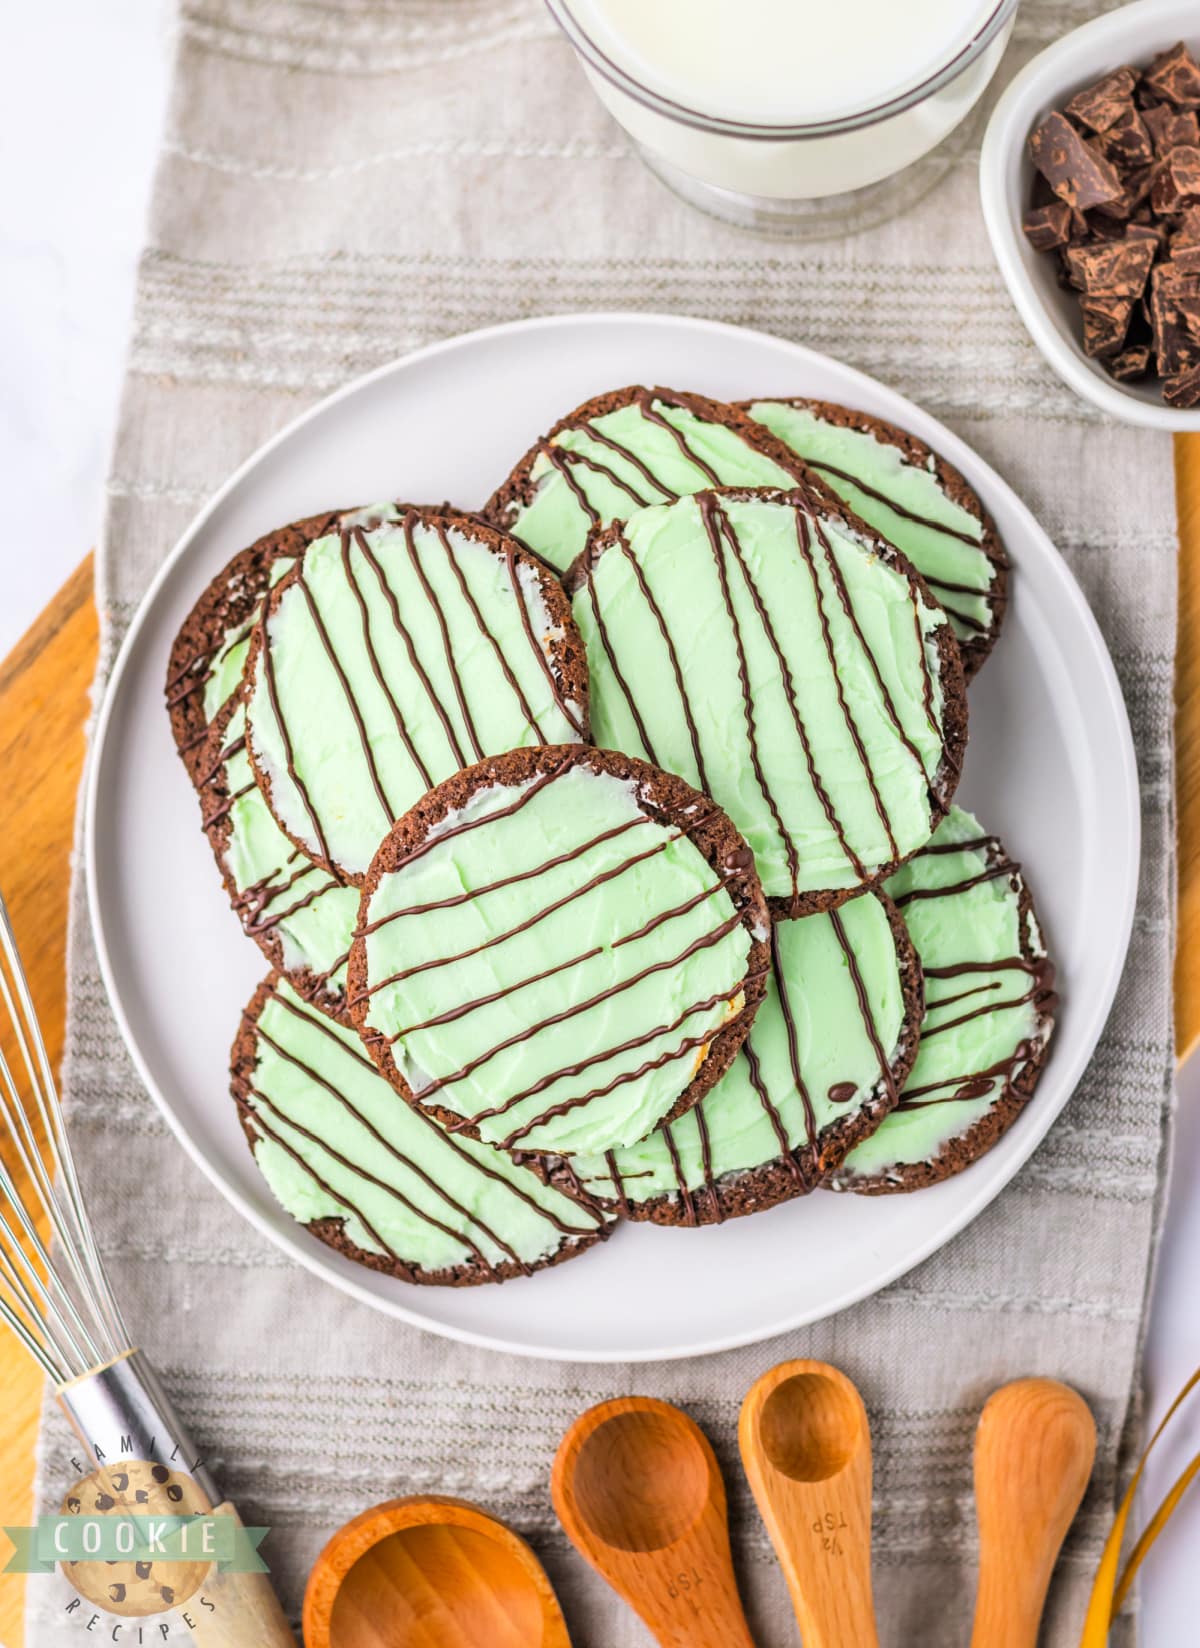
(57, 1299)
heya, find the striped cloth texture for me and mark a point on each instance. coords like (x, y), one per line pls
(342, 181)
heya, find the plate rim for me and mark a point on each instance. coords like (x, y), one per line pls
(1097, 1007)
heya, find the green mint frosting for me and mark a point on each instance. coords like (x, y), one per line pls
(387, 670)
(809, 1038)
(981, 924)
(310, 913)
(225, 669)
(669, 578)
(934, 543)
(556, 523)
(558, 1015)
(334, 1141)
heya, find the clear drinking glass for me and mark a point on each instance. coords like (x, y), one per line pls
(804, 179)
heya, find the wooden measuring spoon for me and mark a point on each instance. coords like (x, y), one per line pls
(430, 1572)
(1034, 1451)
(638, 1489)
(806, 1448)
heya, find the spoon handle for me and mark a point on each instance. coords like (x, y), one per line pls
(639, 1492)
(1033, 1456)
(806, 1450)
(823, 1542)
(686, 1594)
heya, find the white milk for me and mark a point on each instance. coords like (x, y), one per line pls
(786, 63)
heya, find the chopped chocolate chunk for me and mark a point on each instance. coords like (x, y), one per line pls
(1188, 310)
(1169, 128)
(1183, 389)
(1118, 268)
(1177, 182)
(1172, 293)
(1175, 77)
(1105, 323)
(1048, 226)
(1187, 231)
(1075, 170)
(1130, 363)
(1101, 105)
(1127, 143)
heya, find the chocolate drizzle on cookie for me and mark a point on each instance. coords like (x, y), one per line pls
(460, 1222)
(830, 590)
(633, 801)
(802, 1155)
(988, 1017)
(393, 658)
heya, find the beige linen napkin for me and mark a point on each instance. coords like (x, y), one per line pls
(343, 180)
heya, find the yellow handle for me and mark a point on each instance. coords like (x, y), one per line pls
(1109, 1592)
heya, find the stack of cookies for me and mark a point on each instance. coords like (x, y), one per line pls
(602, 844)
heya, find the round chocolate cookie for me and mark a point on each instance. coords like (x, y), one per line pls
(823, 1063)
(300, 916)
(209, 653)
(388, 659)
(377, 1179)
(989, 1011)
(786, 660)
(623, 450)
(917, 500)
(558, 949)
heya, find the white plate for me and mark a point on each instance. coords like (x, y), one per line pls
(1050, 767)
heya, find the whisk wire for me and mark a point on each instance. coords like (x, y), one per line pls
(62, 1321)
(36, 1060)
(20, 1136)
(78, 1325)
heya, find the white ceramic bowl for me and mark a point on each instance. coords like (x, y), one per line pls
(1134, 34)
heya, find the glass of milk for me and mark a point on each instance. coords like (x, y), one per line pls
(788, 115)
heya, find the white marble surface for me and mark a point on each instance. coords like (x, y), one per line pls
(68, 243)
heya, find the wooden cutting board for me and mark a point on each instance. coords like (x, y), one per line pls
(43, 706)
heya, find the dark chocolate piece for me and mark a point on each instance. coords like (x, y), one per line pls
(1130, 363)
(1075, 170)
(1048, 226)
(1127, 143)
(1183, 390)
(1102, 105)
(1118, 268)
(1105, 323)
(1174, 76)
(1177, 181)
(1169, 128)
(1172, 293)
